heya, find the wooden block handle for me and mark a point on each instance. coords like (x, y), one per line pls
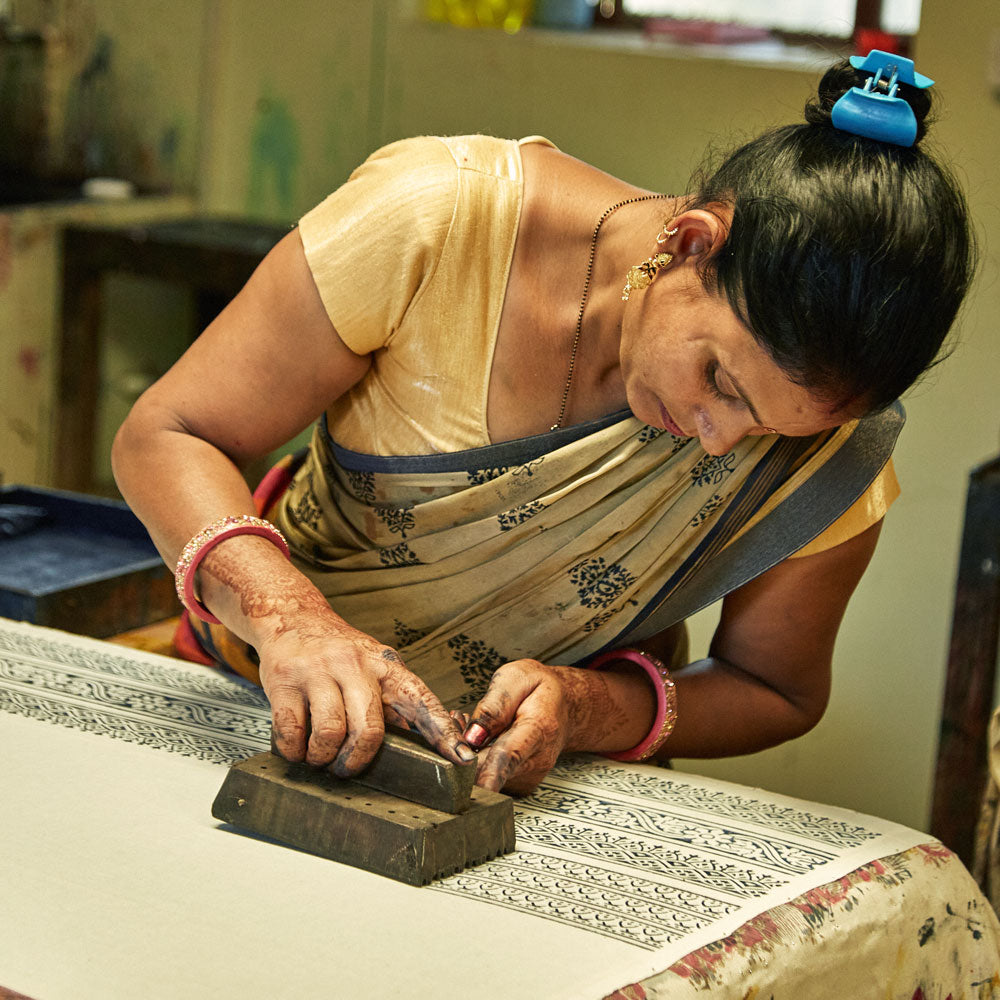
(409, 769)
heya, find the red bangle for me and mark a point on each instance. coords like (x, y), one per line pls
(666, 701)
(206, 539)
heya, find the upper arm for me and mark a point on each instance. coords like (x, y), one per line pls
(264, 369)
(302, 331)
(781, 626)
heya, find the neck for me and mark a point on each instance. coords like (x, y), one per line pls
(626, 237)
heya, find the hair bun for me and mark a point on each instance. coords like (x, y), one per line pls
(840, 77)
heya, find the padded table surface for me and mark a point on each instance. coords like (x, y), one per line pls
(628, 880)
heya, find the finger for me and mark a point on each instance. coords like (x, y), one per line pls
(520, 757)
(406, 695)
(289, 723)
(328, 726)
(393, 718)
(365, 728)
(509, 687)
(509, 774)
(496, 764)
(524, 783)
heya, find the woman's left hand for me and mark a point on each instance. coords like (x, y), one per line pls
(532, 712)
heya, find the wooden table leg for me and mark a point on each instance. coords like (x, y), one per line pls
(79, 373)
(960, 779)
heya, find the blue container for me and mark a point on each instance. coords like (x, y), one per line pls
(563, 14)
(83, 564)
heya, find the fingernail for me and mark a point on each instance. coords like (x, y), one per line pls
(466, 753)
(475, 735)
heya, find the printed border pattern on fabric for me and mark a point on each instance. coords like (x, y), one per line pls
(648, 820)
(216, 722)
(630, 909)
(646, 855)
(834, 833)
(207, 683)
(622, 870)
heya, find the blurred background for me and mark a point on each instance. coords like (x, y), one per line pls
(125, 112)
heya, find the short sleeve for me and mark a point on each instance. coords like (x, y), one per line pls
(373, 244)
(867, 510)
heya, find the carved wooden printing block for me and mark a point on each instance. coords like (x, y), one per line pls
(411, 815)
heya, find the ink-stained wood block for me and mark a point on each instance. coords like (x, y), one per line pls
(80, 563)
(343, 820)
(409, 769)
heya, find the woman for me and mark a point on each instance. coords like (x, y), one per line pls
(558, 414)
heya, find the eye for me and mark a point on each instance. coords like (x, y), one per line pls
(712, 383)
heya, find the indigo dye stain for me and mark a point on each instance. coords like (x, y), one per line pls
(274, 157)
(170, 140)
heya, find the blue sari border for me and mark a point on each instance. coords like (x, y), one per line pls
(818, 503)
(506, 453)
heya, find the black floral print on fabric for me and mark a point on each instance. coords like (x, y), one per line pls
(598, 583)
(399, 520)
(476, 661)
(398, 555)
(406, 636)
(480, 476)
(713, 469)
(305, 508)
(362, 485)
(512, 518)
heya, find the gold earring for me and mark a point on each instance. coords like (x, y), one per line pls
(665, 233)
(641, 275)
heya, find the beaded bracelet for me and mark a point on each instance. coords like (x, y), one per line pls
(666, 701)
(195, 551)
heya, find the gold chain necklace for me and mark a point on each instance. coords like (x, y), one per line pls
(586, 291)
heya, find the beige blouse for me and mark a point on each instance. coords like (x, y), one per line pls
(411, 258)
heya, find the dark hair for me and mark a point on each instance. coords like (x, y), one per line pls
(847, 257)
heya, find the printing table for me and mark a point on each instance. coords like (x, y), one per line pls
(629, 881)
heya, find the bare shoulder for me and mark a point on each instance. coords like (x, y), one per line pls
(554, 178)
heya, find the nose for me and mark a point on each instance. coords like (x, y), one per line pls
(720, 431)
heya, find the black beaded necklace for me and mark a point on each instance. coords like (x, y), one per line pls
(583, 299)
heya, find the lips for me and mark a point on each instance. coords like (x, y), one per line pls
(669, 425)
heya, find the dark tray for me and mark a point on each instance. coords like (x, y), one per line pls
(88, 567)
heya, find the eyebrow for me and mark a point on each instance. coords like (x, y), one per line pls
(746, 399)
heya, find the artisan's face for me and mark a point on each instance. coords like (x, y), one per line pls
(690, 366)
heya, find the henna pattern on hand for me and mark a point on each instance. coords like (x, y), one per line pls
(289, 602)
(593, 712)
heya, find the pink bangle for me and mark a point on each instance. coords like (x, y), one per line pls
(206, 539)
(666, 701)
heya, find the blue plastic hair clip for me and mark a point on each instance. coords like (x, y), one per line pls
(875, 111)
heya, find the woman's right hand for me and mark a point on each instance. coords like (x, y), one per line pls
(332, 688)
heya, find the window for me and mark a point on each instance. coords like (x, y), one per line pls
(832, 18)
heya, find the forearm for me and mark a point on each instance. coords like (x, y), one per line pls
(177, 484)
(250, 586)
(721, 711)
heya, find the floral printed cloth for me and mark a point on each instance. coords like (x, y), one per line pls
(912, 926)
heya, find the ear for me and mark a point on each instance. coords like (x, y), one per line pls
(701, 232)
